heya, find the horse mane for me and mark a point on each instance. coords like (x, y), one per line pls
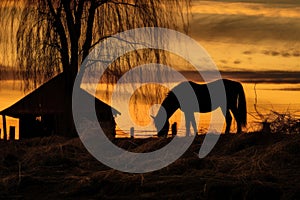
(170, 103)
(169, 95)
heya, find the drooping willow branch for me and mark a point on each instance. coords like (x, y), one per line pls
(55, 36)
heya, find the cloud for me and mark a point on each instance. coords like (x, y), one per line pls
(284, 89)
(242, 28)
(276, 77)
(244, 22)
(269, 2)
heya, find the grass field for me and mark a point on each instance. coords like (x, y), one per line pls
(248, 166)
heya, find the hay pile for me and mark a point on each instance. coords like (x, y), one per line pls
(248, 166)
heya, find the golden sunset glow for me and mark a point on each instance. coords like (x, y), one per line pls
(150, 99)
(240, 37)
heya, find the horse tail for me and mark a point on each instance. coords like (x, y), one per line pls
(242, 107)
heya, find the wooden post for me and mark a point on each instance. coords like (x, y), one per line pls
(12, 132)
(132, 132)
(4, 127)
(266, 127)
(174, 129)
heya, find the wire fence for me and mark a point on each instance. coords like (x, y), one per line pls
(255, 124)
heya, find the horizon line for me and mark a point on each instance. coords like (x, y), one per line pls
(245, 76)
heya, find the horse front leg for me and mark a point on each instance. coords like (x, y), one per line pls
(190, 119)
(187, 125)
(194, 124)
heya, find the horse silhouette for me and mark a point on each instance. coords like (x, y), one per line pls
(235, 102)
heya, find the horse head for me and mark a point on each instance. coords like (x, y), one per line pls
(162, 126)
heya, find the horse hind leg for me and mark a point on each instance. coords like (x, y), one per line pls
(237, 119)
(228, 118)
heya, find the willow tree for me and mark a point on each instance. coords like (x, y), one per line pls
(54, 36)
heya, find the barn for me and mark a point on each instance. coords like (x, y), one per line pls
(42, 112)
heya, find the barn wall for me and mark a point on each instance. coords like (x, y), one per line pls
(54, 124)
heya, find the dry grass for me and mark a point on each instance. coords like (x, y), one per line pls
(247, 166)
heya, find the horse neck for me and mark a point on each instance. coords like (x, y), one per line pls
(170, 104)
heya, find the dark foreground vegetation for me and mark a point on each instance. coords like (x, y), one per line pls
(247, 166)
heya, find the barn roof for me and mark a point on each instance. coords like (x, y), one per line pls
(49, 98)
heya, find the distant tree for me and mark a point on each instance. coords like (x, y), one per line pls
(55, 36)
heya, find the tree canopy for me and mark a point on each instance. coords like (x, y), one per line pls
(53, 36)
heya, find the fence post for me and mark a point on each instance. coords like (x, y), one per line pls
(4, 127)
(132, 132)
(174, 129)
(12, 132)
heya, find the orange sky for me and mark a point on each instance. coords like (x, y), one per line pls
(249, 36)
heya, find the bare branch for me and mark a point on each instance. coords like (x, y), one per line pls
(68, 29)
(125, 4)
(261, 116)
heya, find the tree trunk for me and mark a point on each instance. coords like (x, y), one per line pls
(70, 130)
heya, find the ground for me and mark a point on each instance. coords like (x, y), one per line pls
(247, 166)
